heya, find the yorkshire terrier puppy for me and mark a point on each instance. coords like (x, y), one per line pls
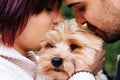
(66, 49)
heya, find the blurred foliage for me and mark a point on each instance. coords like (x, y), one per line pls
(67, 12)
(111, 49)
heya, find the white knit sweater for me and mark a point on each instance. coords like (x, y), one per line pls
(82, 75)
(14, 66)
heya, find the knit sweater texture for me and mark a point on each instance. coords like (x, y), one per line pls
(14, 66)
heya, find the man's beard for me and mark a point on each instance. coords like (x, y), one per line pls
(107, 37)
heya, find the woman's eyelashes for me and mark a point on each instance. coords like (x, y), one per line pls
(49, 9)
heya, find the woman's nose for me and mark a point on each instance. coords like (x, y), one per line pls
(58, 18)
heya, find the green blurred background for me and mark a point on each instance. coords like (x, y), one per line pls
(112, 50)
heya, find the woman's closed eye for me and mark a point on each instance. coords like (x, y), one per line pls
(49, 9)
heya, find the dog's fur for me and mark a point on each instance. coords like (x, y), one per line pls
(76, 46)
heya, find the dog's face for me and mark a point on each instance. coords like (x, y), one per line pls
(66, 49)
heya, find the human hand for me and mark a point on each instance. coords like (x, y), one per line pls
(96, 65)
(85, 74)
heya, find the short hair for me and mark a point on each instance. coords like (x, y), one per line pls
(14, 15)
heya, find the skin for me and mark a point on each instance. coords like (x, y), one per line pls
(35, 29)
(102, 16)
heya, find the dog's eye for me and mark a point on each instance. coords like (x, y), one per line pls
(49, 45)
(73, 47)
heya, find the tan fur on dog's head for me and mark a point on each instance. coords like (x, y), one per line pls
(74, 46)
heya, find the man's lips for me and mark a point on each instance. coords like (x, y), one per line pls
(96, 31)
(101, 33)
(91, 27)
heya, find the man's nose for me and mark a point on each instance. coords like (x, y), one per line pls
(80, 18)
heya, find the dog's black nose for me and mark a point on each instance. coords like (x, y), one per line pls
(56, 61)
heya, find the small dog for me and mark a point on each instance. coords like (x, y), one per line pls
(66, 49)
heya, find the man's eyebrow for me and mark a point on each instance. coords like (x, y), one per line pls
(72, 4)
